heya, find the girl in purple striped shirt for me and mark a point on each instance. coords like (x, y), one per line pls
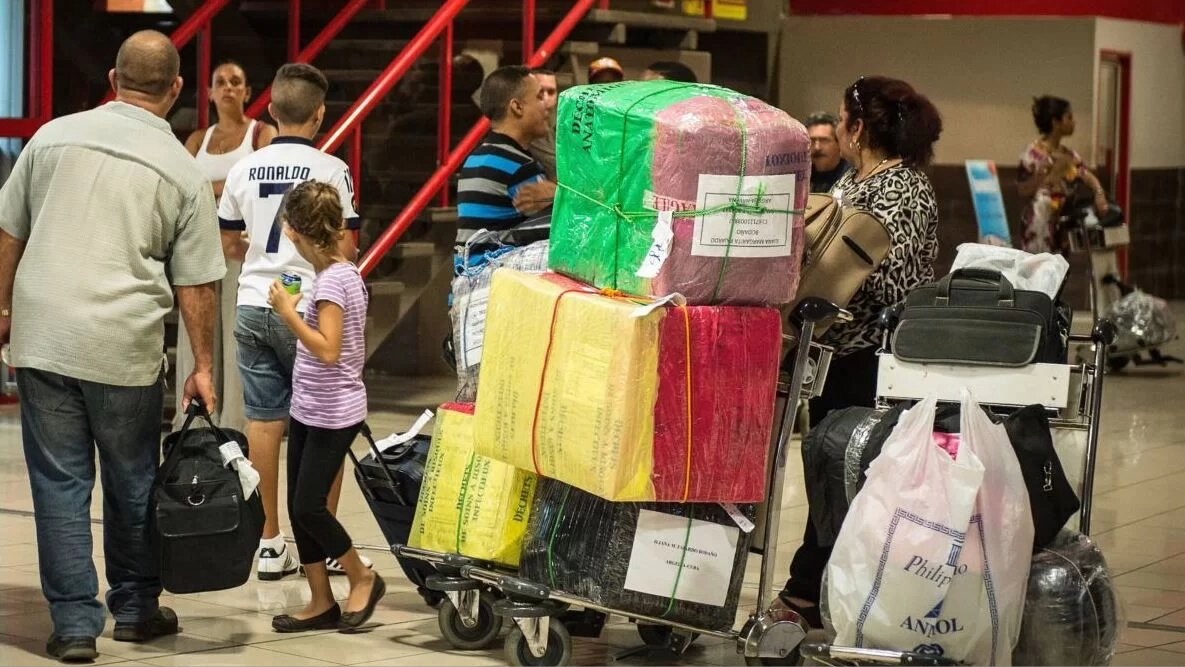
(328, 407)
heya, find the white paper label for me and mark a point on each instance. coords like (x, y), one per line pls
(230, 451)
(739, 517)
(400, 438)
(472, 309)
(766, 234)
(657, 255)
(675, 299)
(706, 551)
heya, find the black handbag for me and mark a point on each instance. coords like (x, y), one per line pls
(976, 317)
(208, 531)
(390, 481)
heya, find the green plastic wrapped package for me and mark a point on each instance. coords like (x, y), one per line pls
(670, 187)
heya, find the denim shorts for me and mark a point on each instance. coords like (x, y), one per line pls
(267, 353)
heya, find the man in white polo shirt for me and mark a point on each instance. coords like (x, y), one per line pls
(104, 215)
(251, 199)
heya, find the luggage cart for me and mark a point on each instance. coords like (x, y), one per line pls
(542, 621)
(1072, 394)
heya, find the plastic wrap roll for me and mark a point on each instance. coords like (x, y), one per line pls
(626, 152)
(470, 504)
(471, 293)
(628, 556)
(1071, 611)
(1143, 321)
(604, 393)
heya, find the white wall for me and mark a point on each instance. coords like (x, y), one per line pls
(1158, 88)
(981, 73)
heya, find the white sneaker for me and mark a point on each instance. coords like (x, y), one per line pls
(274, 565)
(335, 567)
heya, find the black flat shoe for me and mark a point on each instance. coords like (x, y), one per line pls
(326, 620)
(72, 649)
(352, 620)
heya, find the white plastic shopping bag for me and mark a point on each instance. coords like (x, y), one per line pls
(1002, 527)
(966, 606)
(894, 558)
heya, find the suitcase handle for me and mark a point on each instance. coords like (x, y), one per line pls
(1007, 292)
(378, 457)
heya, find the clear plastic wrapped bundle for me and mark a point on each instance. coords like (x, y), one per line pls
(680, 562)
(1072, 614)
(629, 399)
(672, 187)
(1143, 320)
(471, 293)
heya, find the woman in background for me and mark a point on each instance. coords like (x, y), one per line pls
(217, 148)
(1048, 172)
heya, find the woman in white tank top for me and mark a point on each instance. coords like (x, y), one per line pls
(217, 149)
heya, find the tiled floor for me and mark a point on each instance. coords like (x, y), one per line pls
(1139, 522)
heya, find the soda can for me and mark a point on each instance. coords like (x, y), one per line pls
(291, 282)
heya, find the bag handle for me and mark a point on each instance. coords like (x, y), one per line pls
(378, 457)
(1007, 295)
(195, 410)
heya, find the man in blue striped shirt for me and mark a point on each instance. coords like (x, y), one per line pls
(503, 188)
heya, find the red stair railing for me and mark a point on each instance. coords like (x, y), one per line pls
(452, 162)
(350, 124)
(314, 48)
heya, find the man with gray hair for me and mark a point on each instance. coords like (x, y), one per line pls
(827, 165)
(104, 216)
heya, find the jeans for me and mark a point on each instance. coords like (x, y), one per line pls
(315, 455)
(267, 355)
(63, 421)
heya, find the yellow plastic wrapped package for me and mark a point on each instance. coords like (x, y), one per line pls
(470, 504)
(601, 366)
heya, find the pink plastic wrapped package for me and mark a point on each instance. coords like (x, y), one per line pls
(669, 187)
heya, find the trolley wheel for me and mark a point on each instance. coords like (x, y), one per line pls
(559, 647)
(463, 638)
(659, 636)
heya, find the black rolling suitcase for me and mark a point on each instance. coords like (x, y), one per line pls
(208, 532)
(390, 482)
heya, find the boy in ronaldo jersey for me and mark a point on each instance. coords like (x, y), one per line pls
(251, 203)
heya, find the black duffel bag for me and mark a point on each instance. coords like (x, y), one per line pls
(208, 531)
(390, 481)
(976, 317)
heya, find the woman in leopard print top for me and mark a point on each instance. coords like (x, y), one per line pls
(887, 132)
(902, 198)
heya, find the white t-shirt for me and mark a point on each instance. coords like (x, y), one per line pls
(251, 200)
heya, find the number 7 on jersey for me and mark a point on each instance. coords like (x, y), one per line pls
(274, 190)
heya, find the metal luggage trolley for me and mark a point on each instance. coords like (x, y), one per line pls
(1072, 394)
(479, 597)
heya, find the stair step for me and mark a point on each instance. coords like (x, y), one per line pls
(440, 214)
(408, 249)
(386, 288)
(656, 20)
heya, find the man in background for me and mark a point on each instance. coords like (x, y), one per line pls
(502, 189)
(104, 216)
(605, 70)
(543, 148)
(827, 165)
